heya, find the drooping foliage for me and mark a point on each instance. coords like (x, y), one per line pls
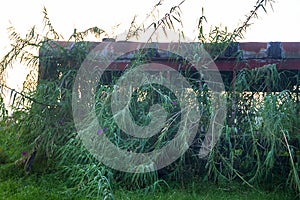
(259, 142)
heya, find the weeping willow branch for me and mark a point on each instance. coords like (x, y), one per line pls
(260, 4)
(134, 29)
(24, 96)
(221, 39)
(48, 24)
(167, 21)
(80, 36)
(295, 172)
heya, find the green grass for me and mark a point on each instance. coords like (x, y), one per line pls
(201, 194)
(14, 185)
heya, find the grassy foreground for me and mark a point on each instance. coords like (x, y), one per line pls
(14, 185)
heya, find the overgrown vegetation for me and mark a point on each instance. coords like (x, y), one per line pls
(50, 186)
(259, 143)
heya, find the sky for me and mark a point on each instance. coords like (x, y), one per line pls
(279, 24)
(115, 16)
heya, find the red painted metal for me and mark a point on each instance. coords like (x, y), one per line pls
(252, 55)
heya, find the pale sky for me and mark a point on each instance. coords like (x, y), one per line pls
(278, 25)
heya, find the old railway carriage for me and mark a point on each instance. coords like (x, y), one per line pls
(237, 56)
